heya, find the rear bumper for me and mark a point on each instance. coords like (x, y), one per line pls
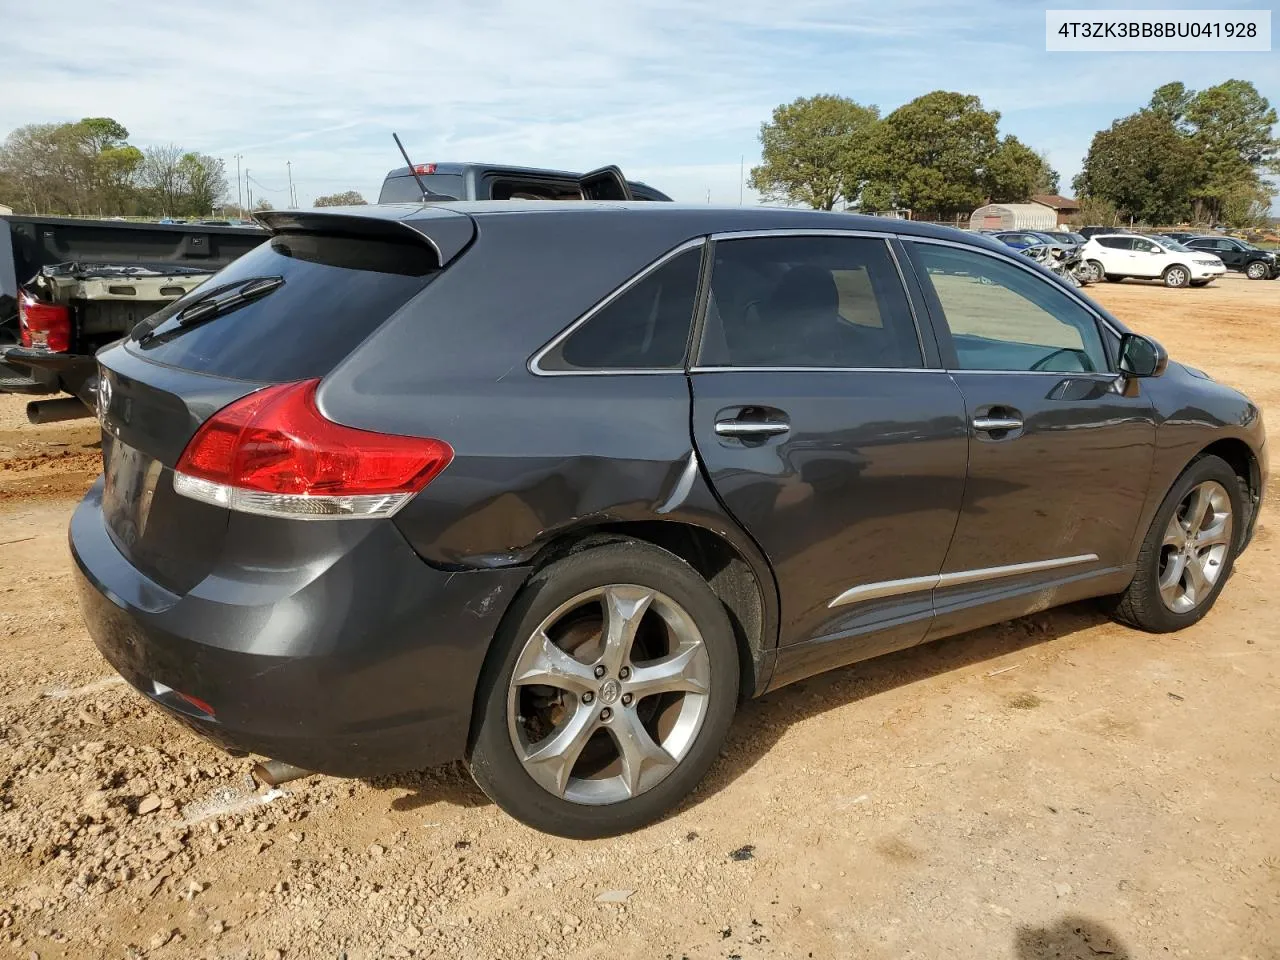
(369, 667)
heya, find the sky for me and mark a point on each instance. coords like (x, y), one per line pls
(674, 91)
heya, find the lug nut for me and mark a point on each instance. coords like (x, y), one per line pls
(624, 673)
(606, 714)
(626, 699)
(588, 697)
(599, 671)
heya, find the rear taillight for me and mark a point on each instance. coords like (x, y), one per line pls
(274, 453)
(44, 326)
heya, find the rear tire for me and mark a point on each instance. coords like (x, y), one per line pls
(1113, 277)
(1166, 593)
(594, 751)
(1096, 271)
(1176, 276)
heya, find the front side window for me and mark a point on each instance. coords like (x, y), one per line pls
(1003, 317)
(808, 302)
(646, 327)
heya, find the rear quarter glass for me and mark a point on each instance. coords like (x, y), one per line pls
(337, 290)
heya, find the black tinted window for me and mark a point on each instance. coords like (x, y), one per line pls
(405, 189)
(336, 291)
(1116, 243)
(808, 302)
(646, 327)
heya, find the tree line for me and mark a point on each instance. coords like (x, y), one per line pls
(88, 168)
(1202, 156)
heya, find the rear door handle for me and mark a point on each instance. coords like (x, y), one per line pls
(751, 429)
(987, 424)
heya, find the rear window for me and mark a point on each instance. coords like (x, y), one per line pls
(406, 190)
(336, 291)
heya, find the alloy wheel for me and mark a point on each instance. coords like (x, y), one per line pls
(1256, 270)
(1195, 547)
(1176, 277)
(609, 694)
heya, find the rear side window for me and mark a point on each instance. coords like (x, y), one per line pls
(1116, 243)
(645, 327)
(336, 291)
(808, 302)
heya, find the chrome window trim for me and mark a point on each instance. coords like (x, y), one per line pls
(1022, 265)
(535, 362)
(888, 239)
(723, 369)
(893, 588)
(802, 232)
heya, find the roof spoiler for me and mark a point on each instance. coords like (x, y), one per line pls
(446, 232)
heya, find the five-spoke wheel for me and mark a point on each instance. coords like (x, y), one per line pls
(608, 692)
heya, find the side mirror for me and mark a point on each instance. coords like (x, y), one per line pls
(1141, 356)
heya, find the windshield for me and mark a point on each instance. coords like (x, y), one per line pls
(404, 189)
(1247, 245)
(1169, 244)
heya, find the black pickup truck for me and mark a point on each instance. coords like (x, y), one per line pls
(487, 181)
(69, 286)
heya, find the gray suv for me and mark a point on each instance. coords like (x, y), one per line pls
(553, 487)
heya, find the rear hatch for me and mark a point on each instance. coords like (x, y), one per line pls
(288, 311)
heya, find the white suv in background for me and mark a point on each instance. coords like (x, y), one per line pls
(1119, 255)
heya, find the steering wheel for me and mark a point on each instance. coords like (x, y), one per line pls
(1086, 365)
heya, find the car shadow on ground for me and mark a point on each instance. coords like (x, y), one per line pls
(1071, 938)
(761, 723)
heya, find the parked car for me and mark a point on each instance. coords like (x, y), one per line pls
(1088, 232)
(562, 524)
(1066, 238)
(1118, 256)
(1179, 235)
(484, 181)
(1022, 239)
(1240, 255)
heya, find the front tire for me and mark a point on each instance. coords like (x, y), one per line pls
(1256, 270)
(1187, 555)
(608, 692)
(1177, 276)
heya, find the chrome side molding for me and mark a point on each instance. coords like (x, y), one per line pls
(892, 588)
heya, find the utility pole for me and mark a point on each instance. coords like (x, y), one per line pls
(293, 198)
(742, 169)
(708, 195)
(239, 192)
(248, 190)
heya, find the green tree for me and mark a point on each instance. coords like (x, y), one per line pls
(202, 182)
(348, 198)
(1231, 127)
(814, 151)
(1016, 172)
(1143, 166)
(1171, 102)
(941, 155)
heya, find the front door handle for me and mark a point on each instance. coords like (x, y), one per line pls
(987, 424)
(751, 429)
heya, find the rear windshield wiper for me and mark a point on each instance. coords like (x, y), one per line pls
(215, 304)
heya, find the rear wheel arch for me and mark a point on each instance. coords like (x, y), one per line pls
(750, 605)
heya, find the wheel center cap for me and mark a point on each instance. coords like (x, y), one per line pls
(610, 690)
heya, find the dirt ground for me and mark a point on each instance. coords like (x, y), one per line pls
(1056, 787)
